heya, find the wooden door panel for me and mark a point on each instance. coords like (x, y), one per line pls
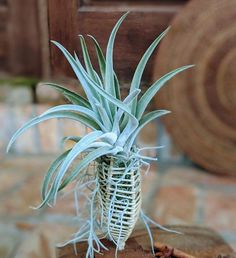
(3, 35)
(20, 49)
(145, 21)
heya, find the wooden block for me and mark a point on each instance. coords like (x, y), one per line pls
(195, 241)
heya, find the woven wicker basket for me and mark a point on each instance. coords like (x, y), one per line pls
(120, 189)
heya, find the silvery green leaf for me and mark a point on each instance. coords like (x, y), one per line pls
(70, 95)
(135, 84)
(109, 137)
(98, 145)
(86, 80)
(127, 132)
(104, 117)
(77, 149)
(87, 61)
(90, 93)
(51, 171)
(70, 138)
(76, 108)
(100, 57)
(85, 162)
(124, 120)
(151, 91)
(144, 121)
(120, 112)
(69, 115)
(103, 92)
(99, 98)
(102, 66)
(98, 79)
(117, 86)
(109, 77)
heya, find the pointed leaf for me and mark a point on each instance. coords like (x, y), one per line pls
(70, 95)
(87, 61)
(144, 121)
(90, 93)
(99, 98)
(104, 117)
(86, 80)
(100, 56)
(109, 77)
(77, 149)
(120, 112)
(76, 108)
(127, 132)
(135, 84)
(102, 66)
(51, 171)
(69, 115)
(85, 162)
(151, 92)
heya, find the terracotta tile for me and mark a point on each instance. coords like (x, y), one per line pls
(48, 133)
(25, 143)
(22, 183)
(195, 176)
(15, 169)
(25, 163)
(46, 94)
(220, 210)
(175, 205)
(18, 202)
(8, 181)
(10, 239)
(41, 242)
(20, 95)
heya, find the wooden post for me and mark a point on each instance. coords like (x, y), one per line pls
(24, 52)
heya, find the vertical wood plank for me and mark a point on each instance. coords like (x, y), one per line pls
(44, 39)
(147, 19)
(62, 27)
(3, 36)
(24, 38)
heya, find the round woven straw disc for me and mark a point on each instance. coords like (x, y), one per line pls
(202, 99)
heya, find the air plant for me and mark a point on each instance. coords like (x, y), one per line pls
(113, 188)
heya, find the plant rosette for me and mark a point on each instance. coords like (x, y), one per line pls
(113, 188)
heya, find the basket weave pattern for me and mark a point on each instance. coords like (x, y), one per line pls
(120, 189)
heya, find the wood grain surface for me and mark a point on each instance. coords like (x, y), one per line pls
(196, 241)
(146, 20)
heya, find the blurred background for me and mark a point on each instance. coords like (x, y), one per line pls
(193, 183)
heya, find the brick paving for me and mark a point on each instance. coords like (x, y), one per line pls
(173, 194)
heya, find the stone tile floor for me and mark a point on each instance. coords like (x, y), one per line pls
(174, 194)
